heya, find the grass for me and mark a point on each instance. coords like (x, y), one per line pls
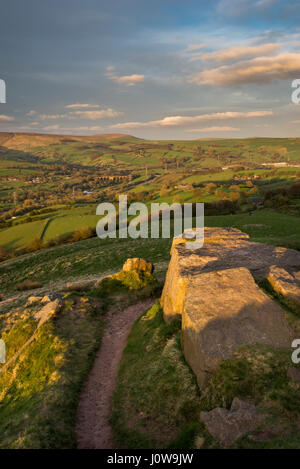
(265, 226)
(157, 401)
(67, 224)
(259, 374)
(96, 257)
(83, 258)
(39, 391)
(20, 235)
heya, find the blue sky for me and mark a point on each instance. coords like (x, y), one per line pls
(154, 69)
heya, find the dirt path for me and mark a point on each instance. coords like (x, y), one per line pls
(93, 429)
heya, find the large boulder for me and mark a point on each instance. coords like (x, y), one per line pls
(229, 425)
(223, 248)
(136, 263)
(222, 308)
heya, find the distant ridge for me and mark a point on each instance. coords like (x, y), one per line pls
(26, 140)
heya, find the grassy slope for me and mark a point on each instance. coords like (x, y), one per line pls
(39, 391)
(157, 402)
(75, 337)
(20, 235)
(69, 223)
(95, 256)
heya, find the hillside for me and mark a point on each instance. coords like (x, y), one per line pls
(25, 141)
(56, 304)
(49, 388)
(50, 185)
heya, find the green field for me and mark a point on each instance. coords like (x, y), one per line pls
(20, 235)
(71, 175)
(95, 257)
(67, 224)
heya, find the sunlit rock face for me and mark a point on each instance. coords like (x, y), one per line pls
(213, 289)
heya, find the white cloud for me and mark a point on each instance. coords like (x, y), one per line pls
(94, 115)
(258, 70)
(175, 121)
(4, 118)
(81, 106)
(85, 128)
(51, 116)
(51, 127)
(215, 129)
(241, 52)
(128, 80)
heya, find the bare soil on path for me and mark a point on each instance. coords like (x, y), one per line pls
(93, 427)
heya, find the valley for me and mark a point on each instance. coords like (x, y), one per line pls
(50, 187)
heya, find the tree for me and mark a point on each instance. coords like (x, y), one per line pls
(210, 187)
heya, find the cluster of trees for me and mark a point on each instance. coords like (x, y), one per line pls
(282, 197)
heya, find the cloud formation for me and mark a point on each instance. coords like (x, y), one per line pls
(51, 116)
(216, 129)
(259, 70)
(193, 47)
(240, 52)
(4, 118)
(81, 106)
(89, 115)
(94, 115)
(128, 80)
(175, 121)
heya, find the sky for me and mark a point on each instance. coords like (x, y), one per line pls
(157, 69)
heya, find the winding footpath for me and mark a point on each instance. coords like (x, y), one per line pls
(93, 427)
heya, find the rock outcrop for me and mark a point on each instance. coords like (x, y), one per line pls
(214, 291)
(229, 425)
(48, 311)
(136, 263)
(286, 284)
